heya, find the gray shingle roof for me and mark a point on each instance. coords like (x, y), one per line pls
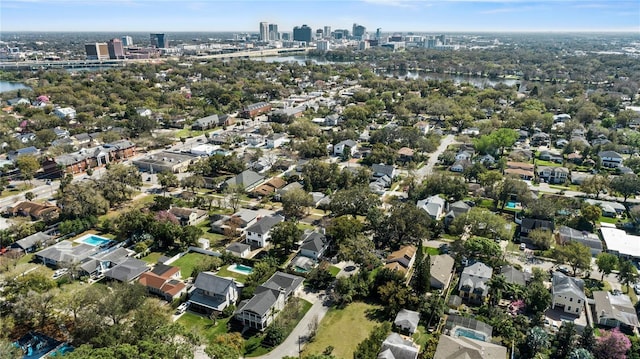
(128, 270)
(314, 242)
(246, 179)
(407, 319)
(32, 240)
(210, 282)
(265, 224)
(561, 283)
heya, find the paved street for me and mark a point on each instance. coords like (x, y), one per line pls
(427, 169)
(291, 345)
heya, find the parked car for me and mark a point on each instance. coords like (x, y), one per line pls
(563, 270)
(523, 246)
(636, 288)
(182, 308)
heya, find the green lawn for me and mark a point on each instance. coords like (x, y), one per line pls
(187, 262)
(152, 257)
(547, 163)
(334, 271)
(26, 258)
(421, 336)
(431, 251)
(343, 329)
(224, 272)
(204, 326)
(608, 220)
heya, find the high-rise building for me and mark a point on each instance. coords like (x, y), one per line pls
(341, 34)
(115, 48)
(97, 51)
(327, 32)
(286, 36)
(323, 45)
(302, 33)
(358, 31)
(127, 41)
(273, 32)
(378, 34)
(264, 31)
(160, 41)
(319, 33)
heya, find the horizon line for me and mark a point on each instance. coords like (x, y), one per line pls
(390, 31)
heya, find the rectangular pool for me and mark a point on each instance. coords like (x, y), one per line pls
(468, 333)
(240, 268)
(93, 240)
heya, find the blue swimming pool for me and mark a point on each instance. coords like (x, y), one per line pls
(94, 240)
(240, 268)
(512, 205)
(468, 333)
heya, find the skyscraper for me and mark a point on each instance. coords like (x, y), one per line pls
(127, 41)
(97, 51)
(273, 32)
(358, 31)
(160, 41)
(327, 31)
(302, 33)
(115, 48)
(319, 34)
(264, 31)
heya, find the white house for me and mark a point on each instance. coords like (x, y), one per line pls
(434, 205)
(259, 233)
(314, 245)
(213, 293)
(553, 174)
(65, 112)
(567, 293)
(473, 282)
(610, 159)
(276, 140)
(350, 146)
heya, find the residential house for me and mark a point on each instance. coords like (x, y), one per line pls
(205, 123)
(441, 271)
(540, 139)
(423, 127)
(127, 271)
(396, 346)
(247, 179)
(487, 160)
(522, 170)
(189, 216)
(402, 259)
(291, 186)
(471, 131)
(213, 293)
(276, 140)
(25, 137)
(461, 347)
(473, 282)
(563, 117)
(407, 321)
(380, 169)
(553, 174)
(144, 112)
(346, 147)
(18, 101)
(514, 276)
(65, 113)
(314, 245)
(254, 139)
(609, 209)
(164, 280)
(26, 151)
(521, 155)
(268, 300)
(567, 293)
(561, 143)
(37, 211)
(529, 224)
(464, 155)
(459, 166)
(614, 310)
(566, 235)
(255, 109)
(456, 209)
(332, 120)
(238, 221)
(64, 252)
(98, 263)
(258, 235)
(269, 187)
(238, 249)
(610, 159)
(30, 243)
(434, 206)
(579, 177)
(405, 154)
(550, 156)
(575, 158)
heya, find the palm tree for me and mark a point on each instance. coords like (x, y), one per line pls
(497, 285)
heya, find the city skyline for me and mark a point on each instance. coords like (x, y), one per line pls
(390, 15)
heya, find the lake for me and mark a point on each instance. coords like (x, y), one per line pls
(6, 86)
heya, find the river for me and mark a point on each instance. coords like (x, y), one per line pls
(6, 86)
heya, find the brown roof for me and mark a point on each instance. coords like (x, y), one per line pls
(152, 280)
(270, 186)
(405, 151)
(520, 165)
(33, 208)
(519, 171)
(173, 287)
(400, 259)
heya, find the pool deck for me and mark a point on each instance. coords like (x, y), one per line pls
(232, 268)
(82, 239)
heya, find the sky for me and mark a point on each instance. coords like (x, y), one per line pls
(389, 15)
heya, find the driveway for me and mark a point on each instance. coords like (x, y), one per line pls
(427, 169)
(296, 340)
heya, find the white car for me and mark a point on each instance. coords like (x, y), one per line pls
(182, 308)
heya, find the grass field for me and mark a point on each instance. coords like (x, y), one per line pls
(187, 262)
(152, 257)
(334, 271)
(431, 251)
(343, 329)
(224, 272)
(203, 326)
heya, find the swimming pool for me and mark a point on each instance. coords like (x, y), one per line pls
(240, 268)
(468, 333)
(512, 205)
(93, 240)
